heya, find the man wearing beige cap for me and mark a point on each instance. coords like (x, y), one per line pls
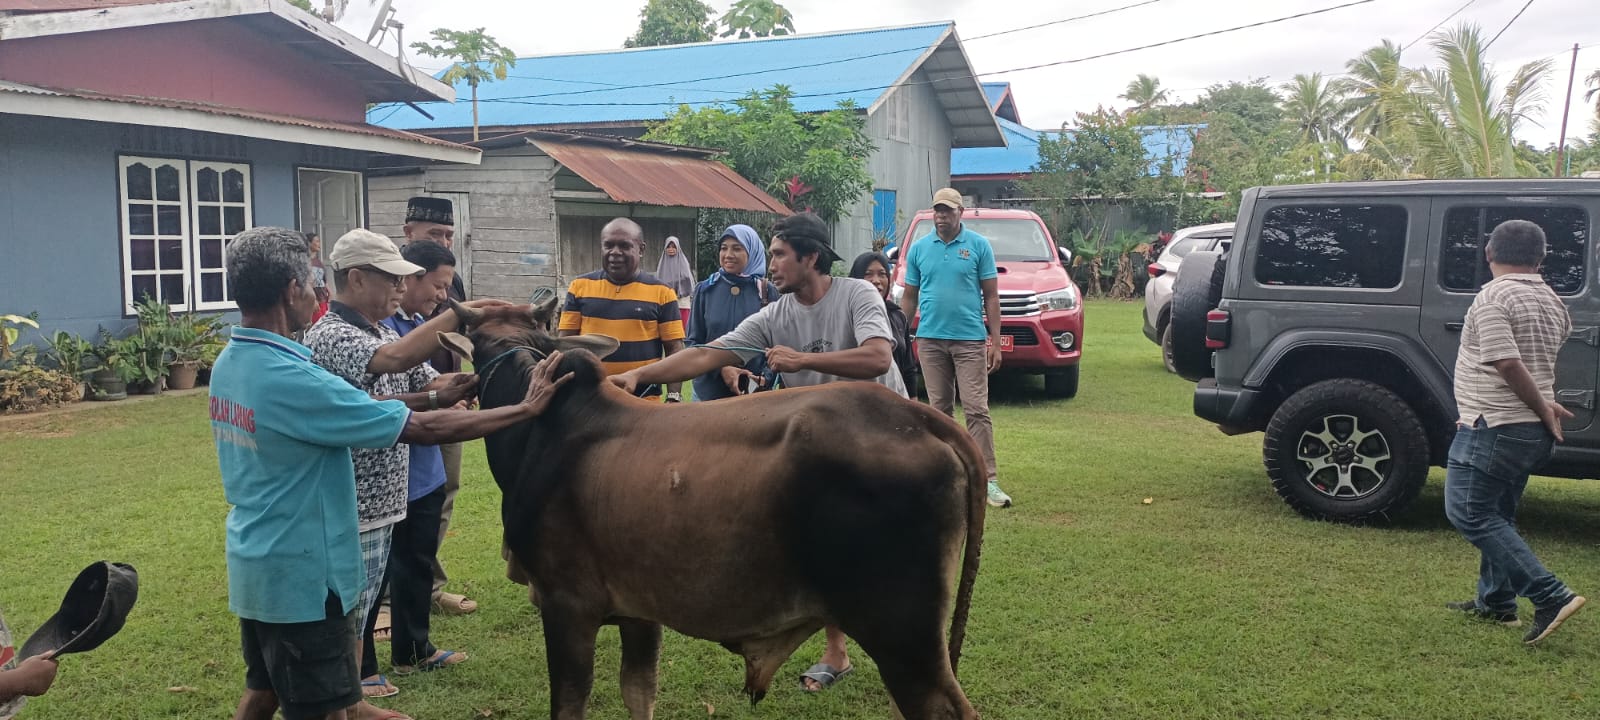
(351, 342)
(952, 281)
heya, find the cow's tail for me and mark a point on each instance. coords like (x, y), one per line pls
(977, 507)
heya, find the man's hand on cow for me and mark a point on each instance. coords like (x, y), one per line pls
(994, 356)
(541, 388)
(454, 388)
(786, 359)
(626, 381)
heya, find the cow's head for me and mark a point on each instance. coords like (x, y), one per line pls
(492, 331)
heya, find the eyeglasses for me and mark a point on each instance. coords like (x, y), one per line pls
(398, 281)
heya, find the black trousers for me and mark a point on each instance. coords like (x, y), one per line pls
(410, 580)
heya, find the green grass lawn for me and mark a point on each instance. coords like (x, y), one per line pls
(1212, 601)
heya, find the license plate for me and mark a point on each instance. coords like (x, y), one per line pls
(1006, 342)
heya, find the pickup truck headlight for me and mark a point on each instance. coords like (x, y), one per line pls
(1063, 299)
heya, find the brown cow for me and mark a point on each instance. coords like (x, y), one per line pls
(842, 504)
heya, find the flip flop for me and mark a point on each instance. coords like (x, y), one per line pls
(444, 659)
(382, 682)
(453, 604)
(825, 676)
(381, 627)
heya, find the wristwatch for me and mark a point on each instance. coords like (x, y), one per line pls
(433, 399)
(674, 397)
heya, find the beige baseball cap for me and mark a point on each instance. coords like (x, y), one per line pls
(364, 247)
(948, 196)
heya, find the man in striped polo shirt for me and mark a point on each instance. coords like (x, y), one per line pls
(1509, 421)
(621, 302)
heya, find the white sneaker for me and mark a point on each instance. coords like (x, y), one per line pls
(997, 497)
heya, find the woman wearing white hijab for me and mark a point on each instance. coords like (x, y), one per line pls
(674, 270)
(737, 290)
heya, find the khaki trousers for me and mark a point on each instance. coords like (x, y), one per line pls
(959, 368)
(452, 485)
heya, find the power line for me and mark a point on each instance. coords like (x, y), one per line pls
(1066, 20)
(1508, 25)
(1436, 25)
(520, 101)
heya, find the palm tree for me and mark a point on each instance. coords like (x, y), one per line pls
(1375, 83)
(1144, 92)
(1317, 109)
(1465, 124)
(757, 18)
(478, 58)
(1592, 93)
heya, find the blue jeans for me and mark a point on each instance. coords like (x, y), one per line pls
(1484, 480)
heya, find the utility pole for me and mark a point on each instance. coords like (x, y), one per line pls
(1561, 147)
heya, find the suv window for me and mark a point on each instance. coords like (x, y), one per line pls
(1187, 245)
(1013, 239)
(1347, 246)
(1463, 267)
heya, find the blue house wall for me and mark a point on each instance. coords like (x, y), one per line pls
(60, 234)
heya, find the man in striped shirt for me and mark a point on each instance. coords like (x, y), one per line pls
(1508, 423)
(622, 302)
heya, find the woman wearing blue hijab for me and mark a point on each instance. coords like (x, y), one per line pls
(737, 290)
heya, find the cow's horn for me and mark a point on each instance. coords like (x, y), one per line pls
(469, 316)
(541, 311)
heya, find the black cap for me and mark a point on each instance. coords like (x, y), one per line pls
(807, 226)
(95, 607)
(431, 209)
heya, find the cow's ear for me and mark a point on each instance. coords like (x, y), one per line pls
(600, 345)
(457, 344)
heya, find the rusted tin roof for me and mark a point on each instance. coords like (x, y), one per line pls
(654, 174)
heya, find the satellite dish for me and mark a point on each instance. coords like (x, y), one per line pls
(381, 22)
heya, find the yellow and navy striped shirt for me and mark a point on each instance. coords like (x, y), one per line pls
(642, 315)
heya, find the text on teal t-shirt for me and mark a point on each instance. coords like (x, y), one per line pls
(283, 429)
(947, 277)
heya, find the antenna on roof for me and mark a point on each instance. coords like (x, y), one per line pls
(384, 21)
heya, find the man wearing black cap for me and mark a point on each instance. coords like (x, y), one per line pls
(823, 329)
(431, 219)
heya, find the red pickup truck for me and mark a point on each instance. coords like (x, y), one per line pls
(1041, 309)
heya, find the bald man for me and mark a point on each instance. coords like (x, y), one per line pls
(622, 302)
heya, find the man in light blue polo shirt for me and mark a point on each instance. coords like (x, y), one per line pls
(283, 429)
(952, 281)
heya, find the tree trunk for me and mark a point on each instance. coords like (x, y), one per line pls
(474, 112)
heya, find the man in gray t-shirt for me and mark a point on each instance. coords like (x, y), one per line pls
(823, 329)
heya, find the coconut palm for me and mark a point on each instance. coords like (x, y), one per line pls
(1594, 92)
(1374, 85)
(1317, 109)
(1464, 121)
(1144, 92)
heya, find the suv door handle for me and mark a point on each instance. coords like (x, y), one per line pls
(1587, 335)
(1576, 398)
(1454, 326)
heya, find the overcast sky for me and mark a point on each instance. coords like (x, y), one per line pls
(1047, 97)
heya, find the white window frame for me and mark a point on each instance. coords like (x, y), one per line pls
(128, 238)
(899, 116)
(190, 239)
(223, 236)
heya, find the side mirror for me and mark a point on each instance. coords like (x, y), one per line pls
(1065, 255)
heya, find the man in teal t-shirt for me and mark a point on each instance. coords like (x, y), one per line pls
(952, 281)
(283, 429)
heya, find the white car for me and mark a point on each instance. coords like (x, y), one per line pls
(1164, 272)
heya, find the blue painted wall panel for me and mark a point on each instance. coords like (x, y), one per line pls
(60, 220)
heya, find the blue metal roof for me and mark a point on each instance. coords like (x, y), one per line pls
(995, 91)
(1021, 153)
(648, 83)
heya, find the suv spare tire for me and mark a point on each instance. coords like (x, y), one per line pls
(1197, 291)
(1346, 450)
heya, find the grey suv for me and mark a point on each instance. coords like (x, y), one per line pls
(1332, 327)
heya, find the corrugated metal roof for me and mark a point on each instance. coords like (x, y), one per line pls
(653, 175)
(646, 84)
(358, 128)
(1022, 151)
(996, 91)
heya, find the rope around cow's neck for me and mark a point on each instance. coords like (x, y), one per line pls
(487, 371)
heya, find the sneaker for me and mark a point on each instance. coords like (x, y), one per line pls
(1470, 607)
(997, 497)
(1546, 620)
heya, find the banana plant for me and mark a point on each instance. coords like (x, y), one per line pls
(10, 330)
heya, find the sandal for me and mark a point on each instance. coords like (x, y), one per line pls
(439, 661)
(453, 604)
(824, 675)
(381, 628)
(379, 688)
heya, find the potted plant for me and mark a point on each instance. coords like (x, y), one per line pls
(182, 352)
(71, 354)
(108, 381)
